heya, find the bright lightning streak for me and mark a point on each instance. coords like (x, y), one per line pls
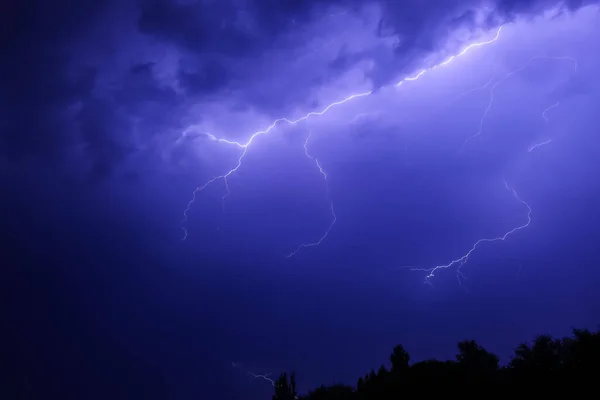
(464, 258)
(216, 139)
(452, 58)
(334, 217)
(469, 47)
(246, 145)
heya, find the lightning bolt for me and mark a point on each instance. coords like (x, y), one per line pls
(334, 217)
(245, 146)
(452, 58)
(459, 262)
(266, 378)
(263, 377)
(545, 142)
(548, 109)
(535, 146)
(504, 79)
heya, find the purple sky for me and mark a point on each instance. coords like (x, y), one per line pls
(112, 115)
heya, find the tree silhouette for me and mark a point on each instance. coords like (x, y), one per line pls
(475, 364)
(568, 361)
(285, 389)
(399, 360)
(334, 392)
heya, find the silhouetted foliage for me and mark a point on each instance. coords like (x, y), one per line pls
(546, 361)
(399, 360)
(475, 364)
(285, 389)
(333, 392)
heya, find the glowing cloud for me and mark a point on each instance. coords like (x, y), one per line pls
(245, 146)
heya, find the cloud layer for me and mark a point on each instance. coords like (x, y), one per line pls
(91, 85)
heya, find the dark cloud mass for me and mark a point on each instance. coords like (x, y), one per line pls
(218, 48)
(36, 91)
(45, 50)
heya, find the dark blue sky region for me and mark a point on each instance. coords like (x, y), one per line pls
(113, 112)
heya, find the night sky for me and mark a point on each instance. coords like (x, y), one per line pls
(115, 285)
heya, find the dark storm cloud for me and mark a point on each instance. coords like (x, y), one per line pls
(35, 88)
(210, 77)
(245, 30)
(422, 31)
(143, 68)
(235, 28)
(96, 124)
(48, 108)
(59, 95)
(512, 8)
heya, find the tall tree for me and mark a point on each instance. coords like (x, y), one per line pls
(285, 389)
(475, 362)
(399, 359)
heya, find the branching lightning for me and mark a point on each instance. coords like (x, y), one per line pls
(244, 146)
(459, 262)
(506, 77)
(266, 378)
(452, 58)
(431, 272)
(263, 377)
(544, 115)
(334, 217)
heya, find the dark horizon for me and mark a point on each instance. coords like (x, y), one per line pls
(534, 364)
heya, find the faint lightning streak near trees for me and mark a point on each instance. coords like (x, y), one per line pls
(322, 171)
(463, 259)
(266, 378)
(245, 146)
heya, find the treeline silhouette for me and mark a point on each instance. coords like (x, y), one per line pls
(567, 362)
